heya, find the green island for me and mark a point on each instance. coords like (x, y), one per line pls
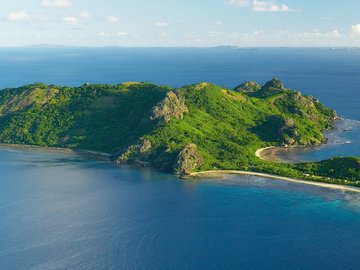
(195, 128)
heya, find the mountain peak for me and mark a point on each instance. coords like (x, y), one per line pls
(248, 87)
(273, 84)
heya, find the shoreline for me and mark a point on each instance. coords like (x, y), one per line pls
(203, 174)
(46, 149)
(279, 154)
(220, 173)
(267, 154)
(274, 153)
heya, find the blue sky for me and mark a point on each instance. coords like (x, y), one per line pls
(181, 23)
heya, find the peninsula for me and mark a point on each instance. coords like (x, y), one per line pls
(195, 128)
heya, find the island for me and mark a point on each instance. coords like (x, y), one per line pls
(186, 131)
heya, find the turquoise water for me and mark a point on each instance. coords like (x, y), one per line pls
(67, 212)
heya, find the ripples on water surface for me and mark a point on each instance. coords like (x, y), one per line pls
(67, 212)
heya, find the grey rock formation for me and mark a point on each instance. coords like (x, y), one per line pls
(173, 105)
(248, 87)
(274, 84)
(135, 152)
(188, 160)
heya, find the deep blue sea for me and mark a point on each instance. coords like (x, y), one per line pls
(62, 211)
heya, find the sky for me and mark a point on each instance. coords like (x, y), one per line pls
(180, 23)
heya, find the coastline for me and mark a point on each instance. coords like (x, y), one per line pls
(284, 154)
(267, 154)
(274, 153)
(79, 152)
(220, 173)
(203, 174)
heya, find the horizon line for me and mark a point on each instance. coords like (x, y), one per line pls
(58, 46)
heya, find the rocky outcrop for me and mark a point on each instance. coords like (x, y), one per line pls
(306, 107)
(248, 87)
(288, 132)
(188, 160)
(135, 152)
(274, 84)
(173, 105)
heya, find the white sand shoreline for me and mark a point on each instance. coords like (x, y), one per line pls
(276, 177)
(203, 174)
(260, 151)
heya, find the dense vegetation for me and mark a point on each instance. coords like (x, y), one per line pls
(341, 168)
(196, 127)
(96, 117)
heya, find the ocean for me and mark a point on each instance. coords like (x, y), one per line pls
(332, 75)
(61, 211)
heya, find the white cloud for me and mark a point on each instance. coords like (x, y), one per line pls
(117, 34)
(214, 34)
(85, 15)
(161, 24)
(122, 34)
(19, 16)
(113, 19)
(261, 5)
(355, 29)
(258, 32)
(334, 34)
(56, 3)
(70, 20)
(317, 34)
(269, 6)
(241, 3)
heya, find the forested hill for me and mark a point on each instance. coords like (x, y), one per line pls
(196, 127)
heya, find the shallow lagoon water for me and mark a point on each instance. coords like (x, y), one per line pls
(67, 212)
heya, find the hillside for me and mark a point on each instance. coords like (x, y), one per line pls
(196, 127)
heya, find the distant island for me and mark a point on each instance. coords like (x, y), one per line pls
(192, 129)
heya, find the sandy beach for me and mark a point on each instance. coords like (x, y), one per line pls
(219, 173)
(267, 153)
(274, 154)
(282, 154)
(261, 153)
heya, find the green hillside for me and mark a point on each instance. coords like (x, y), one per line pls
(196, 127)
(95, 117)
